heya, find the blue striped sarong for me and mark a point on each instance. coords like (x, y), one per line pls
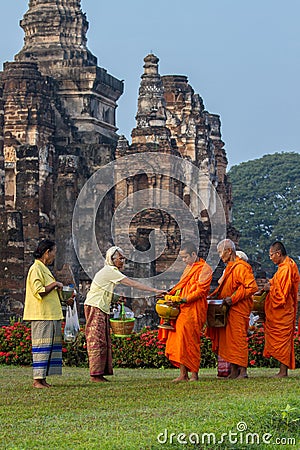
(46, 348)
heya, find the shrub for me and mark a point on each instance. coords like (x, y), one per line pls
(74, 353)
(15, 344)
(140, 349)
(208, 358)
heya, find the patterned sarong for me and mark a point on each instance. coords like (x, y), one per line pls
(97, 333)
(46, 348)
(224, 367)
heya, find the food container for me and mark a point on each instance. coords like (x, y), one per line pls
(166, 313)
(66, 293)
(216, 313)
(259, 302)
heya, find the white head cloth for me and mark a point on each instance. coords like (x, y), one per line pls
(110, 253)
(242, 255)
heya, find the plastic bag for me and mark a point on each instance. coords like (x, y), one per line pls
(252, 323)
(72, 326)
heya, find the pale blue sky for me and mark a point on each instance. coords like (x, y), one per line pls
(242, 57)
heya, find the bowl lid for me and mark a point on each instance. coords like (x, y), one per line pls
(214, 301)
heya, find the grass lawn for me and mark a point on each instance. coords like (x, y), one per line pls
(141, 408)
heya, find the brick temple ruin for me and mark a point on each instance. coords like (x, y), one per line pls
(58, 127)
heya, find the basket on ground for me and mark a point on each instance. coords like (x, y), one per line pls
(122, 328)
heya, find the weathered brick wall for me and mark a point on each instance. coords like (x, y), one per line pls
(57, 116)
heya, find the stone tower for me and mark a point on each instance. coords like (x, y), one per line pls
(170, 120)
(136, 193)
(57, 128)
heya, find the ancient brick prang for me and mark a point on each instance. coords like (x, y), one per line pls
(57, 126)
(171, 120)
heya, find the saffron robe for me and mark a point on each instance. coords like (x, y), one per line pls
(183, 344)
(230, 342)
(280, 309)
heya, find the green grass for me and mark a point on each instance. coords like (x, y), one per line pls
(129, 412)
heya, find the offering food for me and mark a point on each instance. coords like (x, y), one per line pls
(172, 298)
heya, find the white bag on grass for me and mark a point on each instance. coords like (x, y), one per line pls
(72, 326)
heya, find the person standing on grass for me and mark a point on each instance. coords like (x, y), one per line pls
(43, 309)
(224, 367)
(183, 344)
(236, 289)
(97, 310)
(281, 309)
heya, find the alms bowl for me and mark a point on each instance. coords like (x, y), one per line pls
(166, 311)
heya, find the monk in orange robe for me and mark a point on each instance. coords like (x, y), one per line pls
(236, 289)
(183, 344)
(281, 309)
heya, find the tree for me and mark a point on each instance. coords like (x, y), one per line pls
(266, 205)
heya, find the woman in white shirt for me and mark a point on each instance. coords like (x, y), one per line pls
(97, 309)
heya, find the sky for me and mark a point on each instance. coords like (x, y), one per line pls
(242, 57)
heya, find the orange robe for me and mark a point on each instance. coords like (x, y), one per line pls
(281, 308)
(183, 344)
(230, 342)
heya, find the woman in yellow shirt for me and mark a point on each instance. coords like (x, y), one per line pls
(43, 309)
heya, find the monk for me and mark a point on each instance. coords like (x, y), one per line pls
(236, 289)
(183, 344)
(281, 309)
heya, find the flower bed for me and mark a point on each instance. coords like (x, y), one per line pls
(137, 350)
(15, 344)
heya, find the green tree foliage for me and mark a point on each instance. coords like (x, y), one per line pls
(266, 205)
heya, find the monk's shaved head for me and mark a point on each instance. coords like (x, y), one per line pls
(278, 246)
(189, 247)
(225, 244)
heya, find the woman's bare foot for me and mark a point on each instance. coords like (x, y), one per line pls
(39, 384)
(98, 379)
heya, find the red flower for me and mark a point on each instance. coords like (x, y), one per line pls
(252, 362)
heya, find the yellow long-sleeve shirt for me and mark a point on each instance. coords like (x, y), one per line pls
(39, 307)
